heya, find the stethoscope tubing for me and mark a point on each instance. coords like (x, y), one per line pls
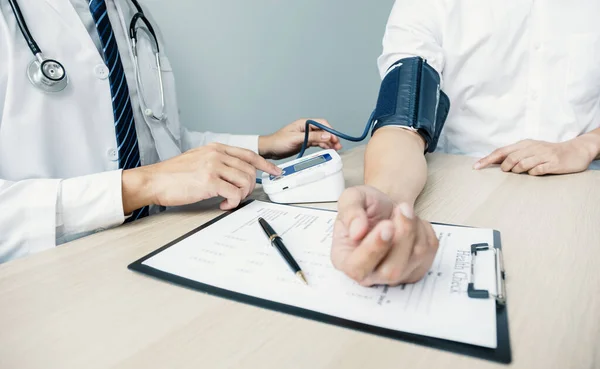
(33, 46)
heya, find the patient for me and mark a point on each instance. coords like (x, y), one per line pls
(524, 85)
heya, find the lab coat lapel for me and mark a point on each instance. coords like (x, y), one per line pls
(68, 15)
(64, 9)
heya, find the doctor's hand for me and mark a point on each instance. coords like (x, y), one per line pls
(198, 174)
(378, 242)
(539, 158)
(288, 140)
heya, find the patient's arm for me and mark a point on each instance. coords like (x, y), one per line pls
(395, 164)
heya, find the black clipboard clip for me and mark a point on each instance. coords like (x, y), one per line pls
(500, 275)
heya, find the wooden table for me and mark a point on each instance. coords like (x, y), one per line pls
(78, 307)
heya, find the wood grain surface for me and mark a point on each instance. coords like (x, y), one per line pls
(79, 307)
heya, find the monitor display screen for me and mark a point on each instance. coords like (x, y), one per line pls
(309, 163)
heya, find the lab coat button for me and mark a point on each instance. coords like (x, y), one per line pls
(112, 154)
(101, 71)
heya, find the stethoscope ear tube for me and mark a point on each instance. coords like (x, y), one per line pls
(35, 49)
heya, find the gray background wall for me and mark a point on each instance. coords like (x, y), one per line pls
(252, 66)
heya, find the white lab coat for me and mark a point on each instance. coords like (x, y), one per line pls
(59, 176)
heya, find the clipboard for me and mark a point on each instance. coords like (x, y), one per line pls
(502, 354)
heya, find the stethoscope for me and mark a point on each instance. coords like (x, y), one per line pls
(49, 75)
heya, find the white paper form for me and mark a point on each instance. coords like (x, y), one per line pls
(235, 254)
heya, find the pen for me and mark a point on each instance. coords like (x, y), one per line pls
(277, 242)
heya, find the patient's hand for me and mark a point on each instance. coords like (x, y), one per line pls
(539, 157)
(378, 242)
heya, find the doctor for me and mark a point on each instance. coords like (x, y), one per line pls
(89, 128)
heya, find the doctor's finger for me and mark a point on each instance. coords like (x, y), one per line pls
(238, 178)
(363, 260)
(330, 145)
(320, 121)
(232, 194)
(324, 122)
(253, 159)
(317, 137)
(239, 164)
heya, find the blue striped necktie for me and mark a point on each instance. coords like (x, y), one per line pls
(129, 153)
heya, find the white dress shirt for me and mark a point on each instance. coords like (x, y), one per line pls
(59, 175)
(513, 69)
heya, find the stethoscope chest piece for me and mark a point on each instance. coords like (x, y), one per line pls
(48, 75)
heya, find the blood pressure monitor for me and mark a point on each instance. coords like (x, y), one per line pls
(313, 178)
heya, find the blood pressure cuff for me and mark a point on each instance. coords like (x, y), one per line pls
(411, 96)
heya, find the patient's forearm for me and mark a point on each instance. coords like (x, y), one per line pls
(395, 164)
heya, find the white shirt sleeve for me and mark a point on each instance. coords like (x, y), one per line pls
(37, 213)
(414, 28)
(192, 139)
